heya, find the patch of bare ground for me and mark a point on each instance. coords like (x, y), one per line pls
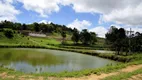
(31, 78)
(136, 77)
(3, 75)
(131, 68)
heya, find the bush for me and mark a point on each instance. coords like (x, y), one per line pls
(9, 33)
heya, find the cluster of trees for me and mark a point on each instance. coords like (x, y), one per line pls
(121, 42)
(36, 27)
(8, 33)
(87, 38)
(136, 42)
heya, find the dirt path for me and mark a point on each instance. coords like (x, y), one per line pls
(131, 68)
(136, 77)
(99, 77)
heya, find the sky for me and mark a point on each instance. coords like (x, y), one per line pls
(95, 15)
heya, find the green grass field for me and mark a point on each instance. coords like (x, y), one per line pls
(17, 39)
(51, 40)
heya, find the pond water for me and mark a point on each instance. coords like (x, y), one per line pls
(44, 60)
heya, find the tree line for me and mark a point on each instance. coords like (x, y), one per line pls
(85, 37)
(118, 40)
(36, 27)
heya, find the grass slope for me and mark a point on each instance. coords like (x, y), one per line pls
(17, 39)
(51, 40)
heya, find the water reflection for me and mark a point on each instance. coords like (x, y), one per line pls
(43, 60)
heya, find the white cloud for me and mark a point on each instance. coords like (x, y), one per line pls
(129, 16)
(135, 29)
(127, 12)
(45, 21)
(9, 1)
(117, 25)
(43, 7)
(100, 31)
(8, 11)
(79, 24)
(120, 11)
(126, 27)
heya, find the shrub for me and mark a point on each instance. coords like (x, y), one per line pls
(9, 33)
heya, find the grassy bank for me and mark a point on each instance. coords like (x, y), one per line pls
(87, 72)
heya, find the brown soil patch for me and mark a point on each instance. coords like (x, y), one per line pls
(3, 75)
(136, 77)
(131, 68)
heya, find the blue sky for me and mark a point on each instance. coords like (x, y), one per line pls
(94, 15)
(65, 16)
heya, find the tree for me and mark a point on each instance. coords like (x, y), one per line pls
(36, 27)
(1, 25)
(17, 26)
(7, 24)
(75, 36)
(44, 28)
(63, 34)
(136, 45)
(117, 39)
(85, 37)
(93, 38)
(24, 27)
(8, 33)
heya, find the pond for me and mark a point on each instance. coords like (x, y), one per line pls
(44, 60)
